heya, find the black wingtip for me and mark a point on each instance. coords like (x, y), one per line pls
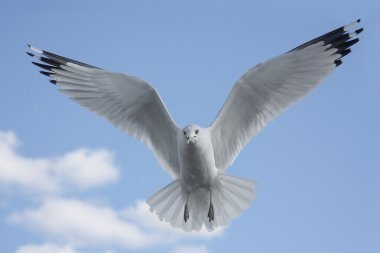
(43, 66)
(345, 52)
(359, 30)
(337, 62)
(351, 42)
(46, 73)
(49, 61)
(358, 20)
(29, 45)
(53, 82)
(30, 54)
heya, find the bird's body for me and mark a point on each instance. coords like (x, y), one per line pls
(201, 193)
(196, 159)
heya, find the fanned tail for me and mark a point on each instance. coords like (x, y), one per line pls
(230, 196)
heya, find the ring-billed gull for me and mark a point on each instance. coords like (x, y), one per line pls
(201, 194)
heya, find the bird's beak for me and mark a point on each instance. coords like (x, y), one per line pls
(190, 140)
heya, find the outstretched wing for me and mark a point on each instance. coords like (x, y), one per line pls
(267, 89)
(127, 102)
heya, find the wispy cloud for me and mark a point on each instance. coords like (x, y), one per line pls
(190, 249)
(81, 168)
(46, 248)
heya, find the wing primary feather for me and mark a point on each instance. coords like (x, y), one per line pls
(49, 61)
(339, 40)
(359, 31)
(35, 49)
(43, 66)
(344, 53)
(46, 73)
(53, 82)
(347, 44)
(338, 62)
(64, 60)
(349, 26)
(57, 58)
(333, 36)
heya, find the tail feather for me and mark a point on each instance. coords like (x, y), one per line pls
(236, 196)
(238, 192)
(169, 216)
(179, 209)
(156, 200)
(168, 202)
(242, 183)
(230, 196)
(221, 217)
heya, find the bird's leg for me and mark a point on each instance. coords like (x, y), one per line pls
(186, 212)
(210, 214)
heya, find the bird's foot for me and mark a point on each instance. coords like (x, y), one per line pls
(186, 213)
(210, 214)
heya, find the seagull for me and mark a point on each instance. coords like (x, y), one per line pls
(201, 193)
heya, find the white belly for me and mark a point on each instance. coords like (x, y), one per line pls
(197, 165)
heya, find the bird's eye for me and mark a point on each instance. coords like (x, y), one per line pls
(196, 131)
(184, 132)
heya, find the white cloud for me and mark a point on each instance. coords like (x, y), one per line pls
(86, 224)
(46, 248)
(86, 168)
(190, 249)
(16, 170)
(82, 168)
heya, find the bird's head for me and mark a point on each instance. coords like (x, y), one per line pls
(191, 133)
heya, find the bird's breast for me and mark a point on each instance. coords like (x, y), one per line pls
(197, 165)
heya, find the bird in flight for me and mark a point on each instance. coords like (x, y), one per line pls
(201, 193)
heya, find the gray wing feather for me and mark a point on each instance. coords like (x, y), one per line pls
(127, 102)
(270, 87)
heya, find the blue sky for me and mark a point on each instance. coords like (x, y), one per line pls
(71, 183)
